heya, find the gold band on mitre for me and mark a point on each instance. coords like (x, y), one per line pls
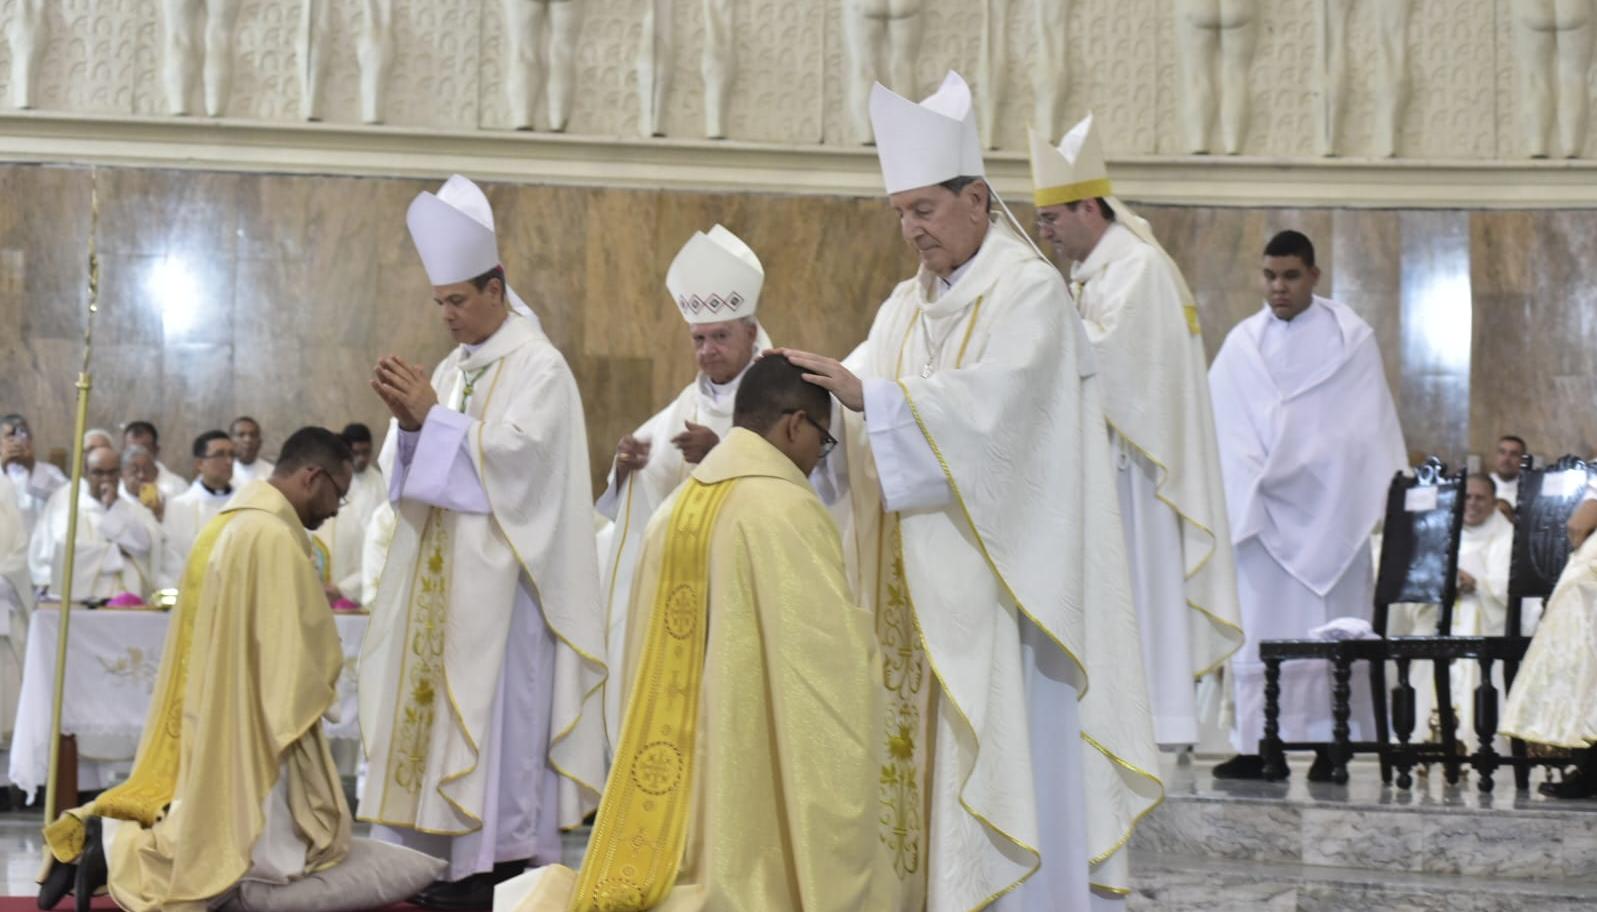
(1070, 193)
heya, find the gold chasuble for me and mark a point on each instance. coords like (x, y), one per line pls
(251, 663)
(744, 777)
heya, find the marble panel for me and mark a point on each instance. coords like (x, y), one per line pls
(1389, 841)
(165, 213)
(1365, 255)
(613, 389)
(1580, 849)
(1498, 846)
(1434, 382)
(542, 242)
(1251, 831)
(1339, 897)
(625, 305)
(44, 235)
(200, 393)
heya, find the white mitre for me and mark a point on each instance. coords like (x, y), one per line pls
(454, 234)
(1075, 171)
(715, 277)
(923, 144)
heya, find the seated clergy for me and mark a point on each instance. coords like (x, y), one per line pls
(1554, 698)
(32, 479)
(242, 796)
(139, 472)
(1511, 450)
(756, 782)
(118, 543)
(144, 434)
(188, 512)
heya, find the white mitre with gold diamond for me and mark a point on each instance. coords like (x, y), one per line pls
(715, 277)
(454, 233)
(919, 145)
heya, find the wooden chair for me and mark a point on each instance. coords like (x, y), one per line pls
(1419, 563)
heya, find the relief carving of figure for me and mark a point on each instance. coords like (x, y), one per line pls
(541, 59)
(315, 23)
(1552, 39)
(1211, 35)
(654, 66)
(186, 40)
(374, 53)
(868, 25)
(1390, 63)
(25, 34)
(992, 68)
(718, 63)
(1051, 21)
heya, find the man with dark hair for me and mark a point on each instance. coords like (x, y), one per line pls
(1303, 495)
(339, 543)
(245, 788)
(490, 589)
(187, 513)
(1143, 322)
(143, 433)
(1511, 450)
(34, 480)
(742, 594)
(248, 465)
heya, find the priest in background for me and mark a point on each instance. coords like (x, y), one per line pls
(187, 513)
(340, 540)
(1511, 450)
(1143, 322)
(482, 671)
(983, 523)
(32, 480)
(118, 544)
(16, 605)
(248, 465)
(715, 283)
(144, 434)
(1303, 493)
(139, 472)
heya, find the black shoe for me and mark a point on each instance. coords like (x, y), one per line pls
(505, 870)
(57, 884)
(92, 874)
(475, 892)
(1320, 769)
(1242, 766)
(1576, 785)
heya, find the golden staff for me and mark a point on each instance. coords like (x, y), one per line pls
(85, 383)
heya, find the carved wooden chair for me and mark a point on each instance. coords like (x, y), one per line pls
(1419, 564)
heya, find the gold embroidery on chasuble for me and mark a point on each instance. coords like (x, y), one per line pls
(639, 835)
(422, 672)
(901, 788)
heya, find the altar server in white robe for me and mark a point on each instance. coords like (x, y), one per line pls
(715, 282)
(1143, 322)
(340, 542)
(983, 523)
(483, 665)
(187, 513)
(1486, 546)
(1309, 442)
(118, 544)
(16, 604)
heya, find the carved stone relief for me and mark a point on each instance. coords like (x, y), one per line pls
(1388, 65)
(1215, 40)
(197, 48)
(880, 38)
(718, 61)
(25, 37)
(374, 51)
(1553, 46)
(541, 44)
(1049, 65)
(654, 66)
(992, 68)
(311, 43)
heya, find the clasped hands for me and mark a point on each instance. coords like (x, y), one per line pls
(406, 389)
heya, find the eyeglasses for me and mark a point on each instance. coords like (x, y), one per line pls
(343, 493)
(828, 442)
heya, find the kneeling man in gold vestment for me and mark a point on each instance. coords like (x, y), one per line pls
(234, 782)
(745, 777)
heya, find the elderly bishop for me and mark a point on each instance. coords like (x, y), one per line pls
(481, 671)
(1143, 323)
(984, 534)
(715, 281)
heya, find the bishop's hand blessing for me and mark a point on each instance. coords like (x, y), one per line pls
(406, 389)
(829, 374)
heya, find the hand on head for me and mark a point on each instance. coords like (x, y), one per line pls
(829, 374)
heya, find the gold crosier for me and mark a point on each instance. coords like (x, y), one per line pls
(638, 837)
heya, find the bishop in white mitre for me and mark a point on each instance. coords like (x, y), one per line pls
(983, 530)
(483, 664)
(1143, 323)
(338, 547)
(118, 548)
(1309, 442)
(715, 282)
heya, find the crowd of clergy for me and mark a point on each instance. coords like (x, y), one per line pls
(831, 645)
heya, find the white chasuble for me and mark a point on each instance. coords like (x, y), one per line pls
(629, 505)
(118, 547)
(483, 662)
(1144, 329)
(16, 604)
(999, 595)
(1309, 442)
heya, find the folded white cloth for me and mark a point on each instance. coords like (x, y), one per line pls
(1345, 628)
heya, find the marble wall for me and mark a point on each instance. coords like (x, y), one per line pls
(272, 295)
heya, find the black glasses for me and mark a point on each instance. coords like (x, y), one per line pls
(828, 442)
(343, 493)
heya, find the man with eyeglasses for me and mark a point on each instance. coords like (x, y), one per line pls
(342, 539)
(715, 283)
(118, 539)
(32, 479)
(187, 513)
(245, 789)
(752, 706)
